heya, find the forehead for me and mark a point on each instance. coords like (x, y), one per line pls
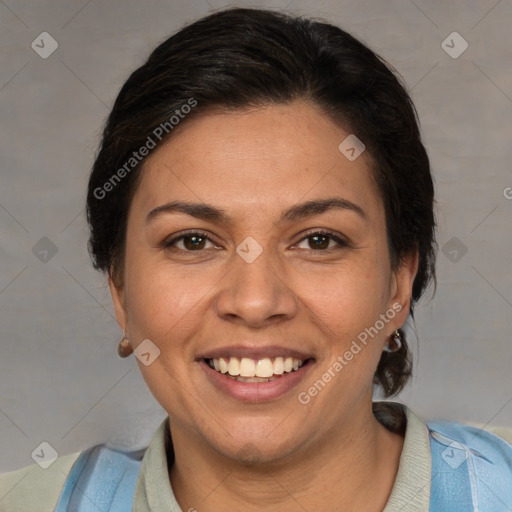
(242, 160)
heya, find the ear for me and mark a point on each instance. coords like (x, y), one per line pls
(401, 288)
(119, 301)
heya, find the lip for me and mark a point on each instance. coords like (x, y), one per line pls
(255, 392)
(254, 352)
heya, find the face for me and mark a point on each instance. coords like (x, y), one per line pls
(256, 274)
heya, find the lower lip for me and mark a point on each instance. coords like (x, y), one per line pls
(256, 391)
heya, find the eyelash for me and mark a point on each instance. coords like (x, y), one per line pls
(342, 243)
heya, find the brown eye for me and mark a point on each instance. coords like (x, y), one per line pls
(319, 241)
(192, 242)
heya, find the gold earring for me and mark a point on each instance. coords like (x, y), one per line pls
(396, 339)
(124, 349)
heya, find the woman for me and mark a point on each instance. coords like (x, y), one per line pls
(262, 204)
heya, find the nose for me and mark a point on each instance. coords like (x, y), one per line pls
(256, 294)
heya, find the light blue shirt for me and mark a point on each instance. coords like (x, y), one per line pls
(444, 467)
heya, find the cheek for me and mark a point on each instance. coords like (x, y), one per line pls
(166, 303)
(163, 307)
(349, 298)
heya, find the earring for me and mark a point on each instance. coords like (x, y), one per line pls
(396, 339)
(124, 349)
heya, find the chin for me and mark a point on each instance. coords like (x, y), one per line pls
(258, 448)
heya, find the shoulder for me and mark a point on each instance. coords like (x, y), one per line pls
(471, 468)
(504, 433)
(493, 442)
(107, 473)
(35, 488)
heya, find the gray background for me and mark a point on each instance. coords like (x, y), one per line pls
(60, 378)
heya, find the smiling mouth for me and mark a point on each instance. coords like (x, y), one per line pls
(255, 370)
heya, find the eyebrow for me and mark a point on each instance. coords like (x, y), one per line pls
(208, 212)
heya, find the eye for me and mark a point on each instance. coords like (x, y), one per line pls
(193, 241)
(320, 241)
(196, 241)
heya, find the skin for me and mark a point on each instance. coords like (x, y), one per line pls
(330, 454)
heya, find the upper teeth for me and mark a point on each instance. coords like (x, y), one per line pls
(246, 367)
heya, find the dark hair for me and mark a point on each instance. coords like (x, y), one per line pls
(239, 58)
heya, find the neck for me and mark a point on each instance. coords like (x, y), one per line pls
(352, 468)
